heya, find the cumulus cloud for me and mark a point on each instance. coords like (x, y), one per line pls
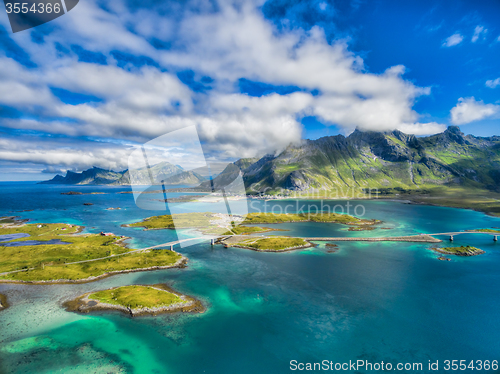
(469, 109)
(139, 103)
(77, 155)
(422, 128)
(479, 31)
(493, 83)
(455, 39)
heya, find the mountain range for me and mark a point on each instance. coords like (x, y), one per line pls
(369, 159)
(365, 159)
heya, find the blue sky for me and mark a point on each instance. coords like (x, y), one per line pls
(252, 76)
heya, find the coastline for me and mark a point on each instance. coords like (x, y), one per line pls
(83, 305)
(179, 264)
(3, 302)
(27, 221)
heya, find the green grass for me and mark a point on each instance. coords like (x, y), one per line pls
(273, 218)
(303, 217)
(464, 250)
(286, 168)
(167, 221)
(138, 260)
(277, 243)
(396, 141)
(246, 230)
(82, 247)
(49, 262)
(136, 297)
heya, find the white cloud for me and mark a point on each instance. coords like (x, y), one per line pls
(479, 31)
(235, 42)
(422, 128)
(468, 110)
(70, 155)
(492, 83)
(455, 39)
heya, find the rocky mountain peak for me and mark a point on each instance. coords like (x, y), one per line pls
(453, 133)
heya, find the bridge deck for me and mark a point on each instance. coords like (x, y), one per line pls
(411, 238)
(420, 238)
(466, 232)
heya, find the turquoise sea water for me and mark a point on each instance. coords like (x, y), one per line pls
(391, 302)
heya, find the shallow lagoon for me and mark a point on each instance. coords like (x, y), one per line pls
(376, 301)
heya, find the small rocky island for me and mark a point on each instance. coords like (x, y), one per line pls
(331, 247)
(136, 300)
(464, 251)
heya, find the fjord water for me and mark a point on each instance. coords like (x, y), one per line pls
(391, 302)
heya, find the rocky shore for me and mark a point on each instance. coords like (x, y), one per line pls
(84, 304)
(3, 302)
(12, 221)
(463, 251)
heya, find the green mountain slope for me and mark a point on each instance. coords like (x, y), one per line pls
(379, 160)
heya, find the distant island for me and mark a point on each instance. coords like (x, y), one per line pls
(163, 171)
(136, 300)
